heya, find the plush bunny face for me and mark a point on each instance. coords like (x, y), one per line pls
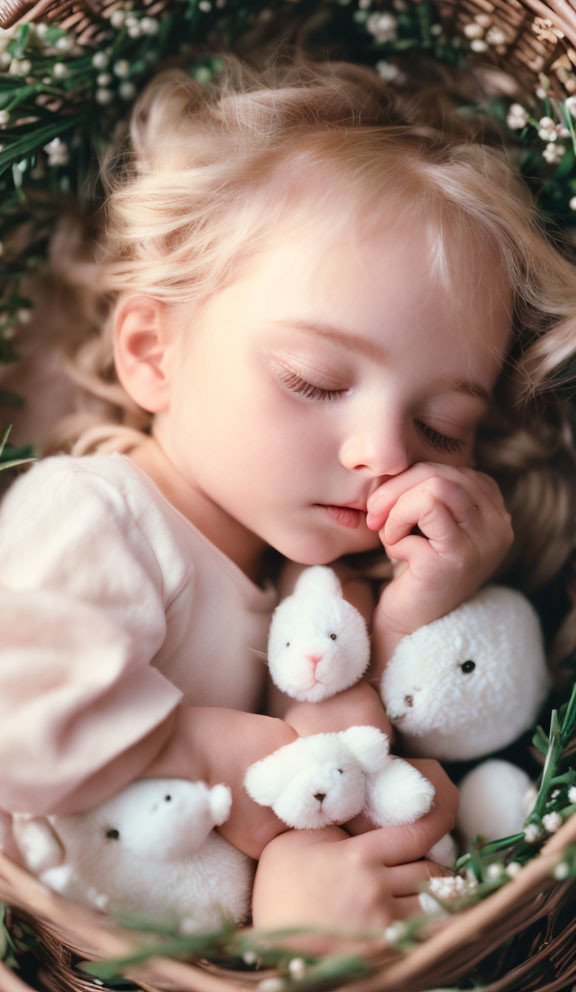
(321, 779)
(153, 819)
(472, 681)
(318, 643)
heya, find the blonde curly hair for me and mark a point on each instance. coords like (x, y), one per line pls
(203, 181)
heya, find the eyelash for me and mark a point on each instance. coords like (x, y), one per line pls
(440, 441)
(295, 383)
(299, 385)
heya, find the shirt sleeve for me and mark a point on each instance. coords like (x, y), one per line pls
(83, 615)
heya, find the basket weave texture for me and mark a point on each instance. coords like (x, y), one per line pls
(532, 919)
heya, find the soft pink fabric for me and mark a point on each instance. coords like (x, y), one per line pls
(114, 609)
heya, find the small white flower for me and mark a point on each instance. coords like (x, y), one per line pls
(572, 789)
(57, 152)
(563, 132)
(103, 79)
(297, 967)
(496, 36)
(531, 833)
(23, 316)
(127, 91)
(395, 932)
(570, 105)
(202, 74)
(100, 60)
(271, 985)
(117, 18)
(387, 71)
(149, 25)
(554, 154)
(495, 871)
(19, 67)
(484, 19)
(555, 794)
(205, 6)
(364, 4)
(135, 31)
(517, 117)
(513, 869)
(435, 30)
(382, 26)
(551, 822)
(478, 45)
(561, 871)
(5, 60)
(122, 68)
(64, 44)
(4, 117)
(249, 957)
(59, 70)
(541, 93)
(572, 206)
(104, 97)
(547, 129)
(472, 30)
(449, 887)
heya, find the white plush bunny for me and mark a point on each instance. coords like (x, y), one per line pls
(467, 685)
(318, 643)
(471, 682)
(329, 778)
(150, 851)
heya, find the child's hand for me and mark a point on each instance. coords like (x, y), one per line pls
(464, 531)
(326, 878)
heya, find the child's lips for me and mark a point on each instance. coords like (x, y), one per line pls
(347, 516)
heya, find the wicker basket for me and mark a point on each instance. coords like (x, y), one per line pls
(525, 933)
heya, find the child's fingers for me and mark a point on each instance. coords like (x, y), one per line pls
(408, 842)
(406, 880)
(480, 487)
(444, 512)
(406, 906)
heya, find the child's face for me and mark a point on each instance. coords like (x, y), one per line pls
(330, 366)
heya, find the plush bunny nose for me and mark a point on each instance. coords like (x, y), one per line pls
(320, 796)
(314, 658)
(409, 700)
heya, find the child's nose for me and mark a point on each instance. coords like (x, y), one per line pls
(376, 452)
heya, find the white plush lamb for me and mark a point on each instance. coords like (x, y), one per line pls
(318, 644)
(329, 778)
(467, 685)
(150, 851)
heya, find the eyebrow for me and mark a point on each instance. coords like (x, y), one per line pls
(374, 351)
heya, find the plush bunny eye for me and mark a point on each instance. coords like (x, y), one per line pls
(287, 644)
(468, 666)
(113, 834)
(333, 637)
(167, 799)
(340, 771)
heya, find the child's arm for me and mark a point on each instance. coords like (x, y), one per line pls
(328, 878)
(447, 530)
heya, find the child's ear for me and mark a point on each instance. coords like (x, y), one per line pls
(141, 351)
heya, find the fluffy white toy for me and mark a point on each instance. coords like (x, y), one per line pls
(150, 851)
(471, 682)
(318, 643)
(329, 778)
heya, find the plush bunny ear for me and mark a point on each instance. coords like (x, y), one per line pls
(370, 747)
(266, 779)
(38, 842)
(318, 579)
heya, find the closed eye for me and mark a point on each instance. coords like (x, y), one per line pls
(442, 442)
(296, 384)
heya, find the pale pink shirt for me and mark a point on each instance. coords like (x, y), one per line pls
(114, 608)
